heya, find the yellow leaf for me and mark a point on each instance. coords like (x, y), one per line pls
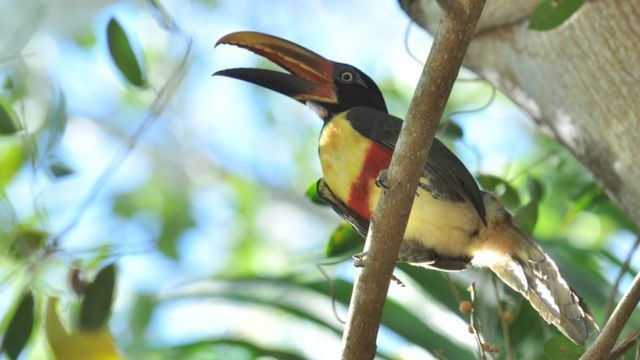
(82, 345)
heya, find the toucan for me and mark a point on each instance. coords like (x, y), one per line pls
(452, 224)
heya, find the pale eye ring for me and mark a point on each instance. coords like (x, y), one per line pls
(346, 76)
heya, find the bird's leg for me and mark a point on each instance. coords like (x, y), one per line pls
(382, 181)
(360, 259)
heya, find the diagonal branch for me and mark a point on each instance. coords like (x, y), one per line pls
(392, 211)
(601, 348)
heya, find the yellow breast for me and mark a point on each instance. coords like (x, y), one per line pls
(342, 152)
(443, 226)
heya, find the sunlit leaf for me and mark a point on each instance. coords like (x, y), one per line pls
(502, 189)
(97, 300)
(527, 216)
(312, 193)
(11, 160)
(590, 195)
(86, 39)
(20, 328)
(343, 240)
(552, 13)
(82, 345)
(8, 120)
(26, 242)
(561, 348)
(123, 55)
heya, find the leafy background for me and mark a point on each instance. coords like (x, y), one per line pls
(124, 164)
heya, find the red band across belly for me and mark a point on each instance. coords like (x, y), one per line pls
(377, 159)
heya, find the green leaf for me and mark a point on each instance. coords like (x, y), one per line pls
(234, 295)
(26, 242)
(343, 240)
(219, 348)
(552, 13)
(59, 169)
(123, 55)
(8, 120)
(141, 314)
(617, 262)
(312, 193)
(20, 328)
(589, 196)
(435, 283)
(561, 348)
(97, 300)
(450, 129)
(11, 160)
(396, 317)
(527, 216)
(536, 190)
(502, 189)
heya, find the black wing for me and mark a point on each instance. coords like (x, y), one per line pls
(446, 175)
(359, 223)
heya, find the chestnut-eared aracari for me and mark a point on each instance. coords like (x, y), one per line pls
(452, 222)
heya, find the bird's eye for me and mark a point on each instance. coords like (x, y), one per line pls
(346, 76)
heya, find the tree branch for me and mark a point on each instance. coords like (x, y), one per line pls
(392, 212)
(601, 348)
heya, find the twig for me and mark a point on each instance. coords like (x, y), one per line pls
(445, 125)
(384, 237)
(332, 289)
(158, 106)
(623, 269)
(607, 338)
(406, 43)
(477, 329)
(626, 345)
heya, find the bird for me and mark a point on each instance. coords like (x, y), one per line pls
(452, 223)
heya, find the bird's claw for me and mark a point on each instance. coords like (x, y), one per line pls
(382, 180)
(360, 259)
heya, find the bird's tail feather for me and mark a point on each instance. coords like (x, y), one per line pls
(534, 274)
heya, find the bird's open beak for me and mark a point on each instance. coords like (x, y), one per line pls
(311, 75)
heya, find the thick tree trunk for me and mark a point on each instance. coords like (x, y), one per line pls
(580, 80)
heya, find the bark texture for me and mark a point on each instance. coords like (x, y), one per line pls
(392, 210)
(581, 80)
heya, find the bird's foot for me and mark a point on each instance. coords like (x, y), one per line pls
(360, 259)
(382, 180)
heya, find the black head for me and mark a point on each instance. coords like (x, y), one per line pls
(327, 87)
